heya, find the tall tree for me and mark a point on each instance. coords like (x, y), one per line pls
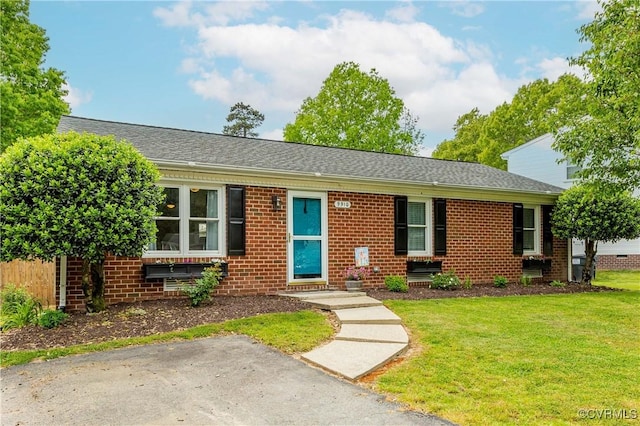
(356, 110)
(32, 97)
(586, 212)
(464, 146)
(535, 109)
(243, 119)
(606, 141)
(85, 196)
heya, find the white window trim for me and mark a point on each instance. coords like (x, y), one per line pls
(428, 208)
(537, 232)
(184, 191)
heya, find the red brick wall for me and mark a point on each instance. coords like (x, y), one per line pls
(613, 262)
(479, 245)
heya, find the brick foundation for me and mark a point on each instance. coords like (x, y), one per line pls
(616, 262)
(479, 246)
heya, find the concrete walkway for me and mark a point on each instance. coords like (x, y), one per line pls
(370, 334)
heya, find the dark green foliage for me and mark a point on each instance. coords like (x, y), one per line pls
(446, 281)
(51, 318)
(396, 283)
(242, 120)
(591, 214)
(200, 290)
(500, 281)
(77, 195)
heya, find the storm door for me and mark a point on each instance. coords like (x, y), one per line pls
(307, 237)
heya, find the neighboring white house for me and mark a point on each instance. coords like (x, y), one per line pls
(536, 159)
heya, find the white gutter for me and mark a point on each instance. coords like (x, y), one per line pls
(63, 283)
(570, 260)
(195, 167)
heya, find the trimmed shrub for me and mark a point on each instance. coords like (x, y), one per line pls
(396, 283)
(446, 281)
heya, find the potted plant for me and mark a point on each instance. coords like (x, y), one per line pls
(354, 277)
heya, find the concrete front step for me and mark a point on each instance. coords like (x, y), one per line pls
(353, 359)
(381, 333)
(341, 303)
(323, 294)
(367, 315)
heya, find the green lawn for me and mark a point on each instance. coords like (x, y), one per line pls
(528, 360)
(627, 280)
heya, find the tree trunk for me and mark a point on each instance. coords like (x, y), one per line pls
(590, 249)
(97, 277)
(93, 285)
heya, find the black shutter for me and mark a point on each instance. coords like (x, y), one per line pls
(401, 231)
(236, 239)
(547, 235)
(518, 229)
(440, 227)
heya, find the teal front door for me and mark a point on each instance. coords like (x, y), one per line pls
(307, 242)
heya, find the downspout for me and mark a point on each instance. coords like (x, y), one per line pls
(63, 283)
(570, 260)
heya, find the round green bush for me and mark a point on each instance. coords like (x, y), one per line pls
(396, 283)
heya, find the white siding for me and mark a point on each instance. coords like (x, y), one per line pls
(537, 160)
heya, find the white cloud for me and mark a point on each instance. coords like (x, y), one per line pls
(273, 66)
(275, 134)
(555, 67)
(587, 9)
(466, 9)
(181, 13)
(76, 97)
(406, 12)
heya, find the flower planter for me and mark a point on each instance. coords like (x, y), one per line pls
(178, 270)
(353, 285)
(543, 264)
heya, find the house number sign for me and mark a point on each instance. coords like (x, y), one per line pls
(342, 204)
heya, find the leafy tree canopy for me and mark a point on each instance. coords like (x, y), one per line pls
(32, 101)
(80, 195)
(242, 120)
(606, 140)
(356, 110)
(535, 109)
(586, 212)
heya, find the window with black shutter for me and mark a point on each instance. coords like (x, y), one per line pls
(518, 229)
(440, 227)
(400, 225)
(236, 235)
(547, 235)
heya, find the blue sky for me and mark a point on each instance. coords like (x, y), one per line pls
(183, 64)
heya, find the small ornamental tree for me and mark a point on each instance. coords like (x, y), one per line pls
(593, 215)
(79, 195)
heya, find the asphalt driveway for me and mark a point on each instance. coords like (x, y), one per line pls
(227, 380)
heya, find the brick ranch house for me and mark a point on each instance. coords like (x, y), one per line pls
(287, 216)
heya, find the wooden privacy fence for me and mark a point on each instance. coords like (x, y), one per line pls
(37, 277)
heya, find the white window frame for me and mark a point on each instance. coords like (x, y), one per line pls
(536, 230)
(428, 226)
(184, 202)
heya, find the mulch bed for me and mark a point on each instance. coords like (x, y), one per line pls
(160, 316)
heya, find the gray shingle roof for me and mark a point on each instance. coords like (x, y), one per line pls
(161, 144)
